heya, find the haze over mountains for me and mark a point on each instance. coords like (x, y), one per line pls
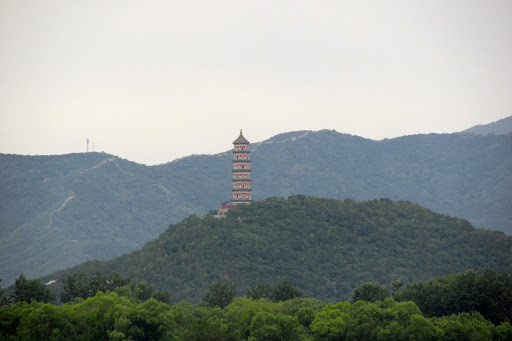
(57, 211)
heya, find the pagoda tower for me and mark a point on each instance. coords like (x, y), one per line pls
(241, 171)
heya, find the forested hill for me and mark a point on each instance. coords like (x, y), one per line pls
(57, 211)
(326, 247)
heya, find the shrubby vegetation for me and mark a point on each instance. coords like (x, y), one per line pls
(325, 247)
(120, 204)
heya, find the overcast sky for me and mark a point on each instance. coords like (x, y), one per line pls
(152, 81)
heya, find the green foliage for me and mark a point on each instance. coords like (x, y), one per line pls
(306, 315)
(117, 204)
(260, 319)
(325, 247)
(330, 323)
(26, 290)
(269, 327)
(371, 292)
(283, 291)
(149, 321)
(220, 295)
(465, 326)
(262, 290)
(79, 285)
(113, 317)
(489, 293)
(386, 320)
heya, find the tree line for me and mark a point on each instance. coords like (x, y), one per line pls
(80, 286)
(464, 306)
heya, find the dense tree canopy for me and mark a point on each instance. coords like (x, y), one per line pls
(26, 290)
(371, 292)
(220, 295)
(79, 285)
(113, 316)
(325, 247)
(489, 294)
(283, 291)
(121, 314)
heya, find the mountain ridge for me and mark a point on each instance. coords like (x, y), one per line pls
(118, 204)
(503, 126)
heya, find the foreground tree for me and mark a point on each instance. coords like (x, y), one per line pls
(31, 290)
(220, 295)
(489, 293)
(80, 285)
(262, 290)
(110, 316)
(284, 291)
(370, 292)
(76, 285)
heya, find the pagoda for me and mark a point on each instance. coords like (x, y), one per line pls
(241, 192)
(241, 171)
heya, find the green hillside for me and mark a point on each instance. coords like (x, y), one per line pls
(325, 247)
(58, 211)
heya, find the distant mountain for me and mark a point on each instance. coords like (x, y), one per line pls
(58, 211)
(503, 126)
(326, 247)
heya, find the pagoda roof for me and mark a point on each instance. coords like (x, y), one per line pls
(241, 139)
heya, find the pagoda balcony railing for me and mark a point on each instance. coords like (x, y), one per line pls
(245, 170)
(241, 151)
(242, 180)
(241, 160)
(242, 189)
(241, 200)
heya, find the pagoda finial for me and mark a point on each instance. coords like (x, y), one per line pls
(240, 131)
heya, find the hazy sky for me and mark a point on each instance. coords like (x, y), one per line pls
(151, 81)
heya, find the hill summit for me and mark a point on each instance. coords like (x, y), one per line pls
(326, 247)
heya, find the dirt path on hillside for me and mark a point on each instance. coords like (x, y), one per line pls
(100, 164)
(68, 199)
(168, 197)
